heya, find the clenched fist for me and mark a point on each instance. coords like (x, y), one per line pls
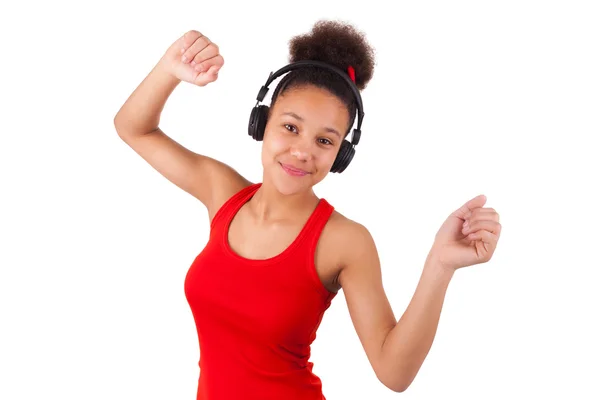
(193, 58)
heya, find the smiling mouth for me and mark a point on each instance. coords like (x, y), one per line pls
(293, 171)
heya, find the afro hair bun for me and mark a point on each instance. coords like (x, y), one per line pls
(336, 43)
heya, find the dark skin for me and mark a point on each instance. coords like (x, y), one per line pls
(305, 129)
(304, 133)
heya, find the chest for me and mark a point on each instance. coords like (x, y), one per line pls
(273, 302)
(260, 241)
(255, 241)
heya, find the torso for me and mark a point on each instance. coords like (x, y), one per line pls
(250, 240)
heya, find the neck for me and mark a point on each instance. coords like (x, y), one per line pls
(269, 204)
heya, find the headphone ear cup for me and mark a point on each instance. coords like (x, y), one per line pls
(344, 157)
(258, 122)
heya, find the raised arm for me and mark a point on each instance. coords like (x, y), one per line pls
(137, 122)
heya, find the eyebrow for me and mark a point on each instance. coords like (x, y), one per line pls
(299, 118)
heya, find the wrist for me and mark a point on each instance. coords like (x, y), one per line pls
(164, 72)
(435, 265)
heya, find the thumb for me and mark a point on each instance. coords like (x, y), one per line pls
(475, 202)
(211, 75)
(213, 70)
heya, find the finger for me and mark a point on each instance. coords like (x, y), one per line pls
(485, 237)
(209, 76)
(188, 39)
(199, 44)
(482, 210)
(483, 213)
(212, 66)
(214, 71)
(474, 203)
(485, 244)
(491, 226)
(207, 58)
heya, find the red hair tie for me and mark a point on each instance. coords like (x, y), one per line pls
(351, 73)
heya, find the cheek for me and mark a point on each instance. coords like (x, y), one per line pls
(328, 157)
(274, 144)
(324, 163)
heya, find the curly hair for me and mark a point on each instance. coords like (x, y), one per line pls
(339, 44)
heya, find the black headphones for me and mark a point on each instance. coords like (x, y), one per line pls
(258, 117)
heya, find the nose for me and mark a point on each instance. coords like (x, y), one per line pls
(301, 152)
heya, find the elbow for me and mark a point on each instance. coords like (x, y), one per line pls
(117, 118)
(122, 123)
(123, 130)
(118, 124)
(126, 129)
(396, 379)
(397, 387)
(397, 383)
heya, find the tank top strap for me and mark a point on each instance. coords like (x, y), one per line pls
(307, 246)
(232, 205)
(314, 226)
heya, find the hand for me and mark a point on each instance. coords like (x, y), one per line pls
(193, 58)
(458, 246)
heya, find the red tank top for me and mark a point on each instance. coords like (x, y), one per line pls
(256, 319)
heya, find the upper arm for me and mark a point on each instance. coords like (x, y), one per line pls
(209, 180)
(368, 305)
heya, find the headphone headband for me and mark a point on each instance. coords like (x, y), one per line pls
(314, 63)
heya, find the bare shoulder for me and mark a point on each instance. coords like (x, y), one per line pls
(226, 182)
(348, 239)
(357, 259)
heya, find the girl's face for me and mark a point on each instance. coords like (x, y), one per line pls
(302, 137)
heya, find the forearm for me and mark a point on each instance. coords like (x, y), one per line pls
(141, 112)
(409, 342)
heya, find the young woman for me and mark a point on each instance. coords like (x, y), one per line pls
(278, 254)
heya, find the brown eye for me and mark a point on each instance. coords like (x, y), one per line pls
(325, 141)
(287, 126)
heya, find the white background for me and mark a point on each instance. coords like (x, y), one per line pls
(468, 98)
